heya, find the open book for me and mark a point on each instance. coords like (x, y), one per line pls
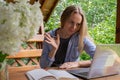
(41, 74)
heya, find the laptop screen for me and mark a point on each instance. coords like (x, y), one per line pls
(105, 61)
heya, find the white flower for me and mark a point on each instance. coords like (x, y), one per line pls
(18, 22)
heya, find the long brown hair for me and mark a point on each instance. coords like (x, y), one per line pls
(83, 31)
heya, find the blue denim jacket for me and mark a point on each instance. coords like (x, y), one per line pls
(72, 50)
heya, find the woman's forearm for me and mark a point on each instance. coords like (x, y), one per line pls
(52, 52)
(76, 64)
(86, 63)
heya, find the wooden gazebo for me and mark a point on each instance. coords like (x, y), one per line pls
(47, 7)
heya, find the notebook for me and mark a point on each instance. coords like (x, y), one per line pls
(105, 62)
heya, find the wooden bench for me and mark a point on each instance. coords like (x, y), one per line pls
(27, 58)
(31, 53)
(38, 40)
(19, 67)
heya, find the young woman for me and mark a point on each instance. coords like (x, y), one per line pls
(63, 46)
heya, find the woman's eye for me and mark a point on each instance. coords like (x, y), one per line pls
(78, 25)
(72, 23)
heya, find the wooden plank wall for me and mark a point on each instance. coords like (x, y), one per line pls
(118, 22)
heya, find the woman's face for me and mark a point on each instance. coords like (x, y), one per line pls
(73, 23)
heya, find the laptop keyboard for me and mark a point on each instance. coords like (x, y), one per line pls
(84, 73)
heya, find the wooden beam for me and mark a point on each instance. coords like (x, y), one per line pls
(48, 7)
(41, 2)
(118, 23)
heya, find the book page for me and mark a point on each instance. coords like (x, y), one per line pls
(40, 74)
(62, 75)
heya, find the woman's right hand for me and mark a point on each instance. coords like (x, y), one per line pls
(68, 65)
(52, 41)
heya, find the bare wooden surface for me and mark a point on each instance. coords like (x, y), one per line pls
(37, 38)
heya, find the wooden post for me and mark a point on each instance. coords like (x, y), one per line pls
(118, 22)
(47, 10)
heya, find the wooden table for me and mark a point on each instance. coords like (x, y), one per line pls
(19, 74)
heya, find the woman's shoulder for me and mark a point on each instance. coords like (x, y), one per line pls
(89, 41)
(53, 32)
(88, 38)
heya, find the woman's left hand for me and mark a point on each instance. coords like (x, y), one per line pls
(68, 65)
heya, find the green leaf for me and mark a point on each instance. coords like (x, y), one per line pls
(2, 56)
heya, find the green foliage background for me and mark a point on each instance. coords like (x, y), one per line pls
(100, 15)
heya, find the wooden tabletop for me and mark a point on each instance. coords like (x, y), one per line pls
(19, 74)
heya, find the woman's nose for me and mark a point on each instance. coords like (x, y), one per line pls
(74, 26)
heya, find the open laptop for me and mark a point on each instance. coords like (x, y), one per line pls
(105, 62)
